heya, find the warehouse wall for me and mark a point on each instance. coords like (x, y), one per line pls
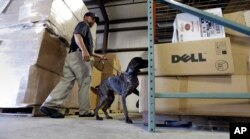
(128, 39)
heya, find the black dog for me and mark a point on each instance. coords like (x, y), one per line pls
(123, 84)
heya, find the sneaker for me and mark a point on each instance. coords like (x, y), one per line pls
(87, 114)
(53, 113)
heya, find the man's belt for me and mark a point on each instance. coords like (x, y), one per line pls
(74, 50)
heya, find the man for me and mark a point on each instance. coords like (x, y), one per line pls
(77, 66)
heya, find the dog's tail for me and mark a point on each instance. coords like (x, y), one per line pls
(94, 89)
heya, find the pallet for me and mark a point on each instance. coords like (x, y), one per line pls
(21, 111)
(70, 111)
(33, 111)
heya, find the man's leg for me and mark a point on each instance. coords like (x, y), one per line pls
(83, 72)
(83, 98)
(60, 92)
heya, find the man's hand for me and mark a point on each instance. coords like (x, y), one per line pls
(85, 56)
(103, 57)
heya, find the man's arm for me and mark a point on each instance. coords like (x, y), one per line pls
(98, 56)
(79, 41)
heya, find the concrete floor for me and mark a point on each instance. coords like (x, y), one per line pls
(73, 127)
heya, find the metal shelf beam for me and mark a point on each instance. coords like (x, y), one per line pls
(151, 75)
(204, 95)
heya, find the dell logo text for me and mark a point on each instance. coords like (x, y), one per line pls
(186, 58)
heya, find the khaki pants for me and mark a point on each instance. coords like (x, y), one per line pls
(74, 69)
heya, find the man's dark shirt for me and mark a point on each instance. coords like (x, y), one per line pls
(83, 29)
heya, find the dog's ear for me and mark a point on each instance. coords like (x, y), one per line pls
(133, 63)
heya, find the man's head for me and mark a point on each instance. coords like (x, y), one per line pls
(91, 18)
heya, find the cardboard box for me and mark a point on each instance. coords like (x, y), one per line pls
(39, 85)
(240, 50)
(96, 80)
(205, 57)
(110, 66)
(21, 47)
(219, 107)
(162, 84)
(239, 42)
(199, 84)
(72, 100)
(241, 17)
(41, 82)
(188, 27)
(33, 44)
(52, 53)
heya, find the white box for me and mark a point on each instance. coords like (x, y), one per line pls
(188, 27)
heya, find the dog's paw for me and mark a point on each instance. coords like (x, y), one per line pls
(109, 117)
(99, 118)
(129, 121)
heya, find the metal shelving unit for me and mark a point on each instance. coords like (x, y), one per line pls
(151, 41)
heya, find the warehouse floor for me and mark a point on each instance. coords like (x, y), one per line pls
(74, 127)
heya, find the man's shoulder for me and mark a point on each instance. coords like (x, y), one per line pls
(82, 24)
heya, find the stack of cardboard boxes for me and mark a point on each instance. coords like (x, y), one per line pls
(214, 65)
(34, 36)
(31, 61)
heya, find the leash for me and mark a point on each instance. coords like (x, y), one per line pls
(103, 62)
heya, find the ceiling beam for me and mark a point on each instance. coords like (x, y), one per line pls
(90, 3)
(124, 50)
(106, 26)
(97, 2)
(123, 4)
(128, 20)
(125, 29)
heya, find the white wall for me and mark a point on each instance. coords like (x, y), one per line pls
(127, 11)
(127, 39)
(99, 41)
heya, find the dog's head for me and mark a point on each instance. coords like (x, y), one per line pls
(136, 64)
